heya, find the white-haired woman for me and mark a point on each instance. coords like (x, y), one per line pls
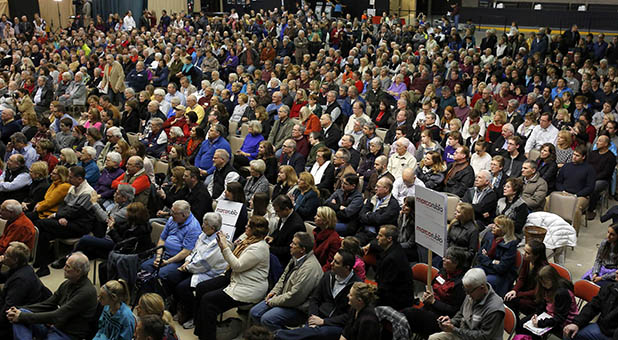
(257, 182)
(204, 263)
(250, 147)
(110, 172)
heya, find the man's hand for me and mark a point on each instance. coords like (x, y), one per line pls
(63, 222)
(570, 330)
(13, 314)
(315, 321)
(446, 324)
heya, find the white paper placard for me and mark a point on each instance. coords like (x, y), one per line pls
(430, 229)
(229, 212)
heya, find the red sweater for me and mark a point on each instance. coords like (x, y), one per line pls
(312, 124)
(21, 230)
(140, 184)
(327, 243)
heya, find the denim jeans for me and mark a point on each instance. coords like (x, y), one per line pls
(306, 333)
(40, 331)
(590, 332)
(275, 318)
(169, 274)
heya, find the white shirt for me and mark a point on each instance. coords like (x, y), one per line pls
(397, 163)
(464, 130)
(349, 128)
(128, 23)
(317, 171)
(480, 163)
(540, 136)
(401, 190)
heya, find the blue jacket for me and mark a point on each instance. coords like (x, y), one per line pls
(203, 160)
(137, 80)
(163, 74)
(505, 253)
(306, 204)
(92, 172)
(251, 145)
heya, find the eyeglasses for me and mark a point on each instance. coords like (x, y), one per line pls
(470, 291)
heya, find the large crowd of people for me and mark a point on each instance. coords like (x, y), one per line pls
(321, 128)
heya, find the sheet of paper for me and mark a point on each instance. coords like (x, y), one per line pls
(535, 330)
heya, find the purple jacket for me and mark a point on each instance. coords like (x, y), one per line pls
(104, 184)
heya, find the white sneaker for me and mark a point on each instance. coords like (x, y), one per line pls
(188, 325)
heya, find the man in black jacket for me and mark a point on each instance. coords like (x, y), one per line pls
(347, 203)
(379, 210)
(224, 173)
(289, 223)
(331, 132)
(459, 174)
(198, 197)
(393, 273)
(328, 305)
(605, 305)
(482, 198)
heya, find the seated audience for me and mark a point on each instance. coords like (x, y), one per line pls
(497, 254)
(393, 273)
(606, 261)
(347, 203)
(18, 227)
(405, 185)
(137, 178)
(379, 210)
(289, 223)
(482, 198)
(323, 170)
(362, 322)
(431, 170)
(287, 182)
(381, 171)
(522, 298)
(117, 320)
(327, 241)
(535, 188)
(512, 204)
(152, 304)
(459, 174)
(15, 180)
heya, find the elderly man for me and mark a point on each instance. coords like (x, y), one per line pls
(459, 174)
(19, 145)
(358, 112)
(341, 162)
(164, 106)
(223, 175)
(282, 306)
(401, 120)
(302, 143)
(112, 83)
(215, 141)
(21, 286)
(282, 129)
(289, 156)
(535, 187)
(393, 273)
(75, 93)
(380, 209)
(86, 161)
(543, 133)
(8, 125)
(43, 94)
(137, 178)
(331, 132)
(500, 145)
(99, 247)
(381, 170)
(405, 185)
(65, 81)
(276, 103)
(482, 198)
(333, 108)
(15, 180)
(18, 226)
(137, 78)
(328, 305)
(204, 263)
(156, 140)
(153, 112)
(73, 219)
(67, 314)
(401, 159)
(192, 105)
(480, 317)
(113, 135)
(179, 236)
(347, 142)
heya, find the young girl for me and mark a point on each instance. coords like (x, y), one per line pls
(351, 244)
(117, 321)
(606, 262)
(521, 298)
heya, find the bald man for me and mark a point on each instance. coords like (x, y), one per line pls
(406, 185)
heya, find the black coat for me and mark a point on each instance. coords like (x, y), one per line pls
(283, 235)
(548, 171)
(459, 182)
(38, 189)
(364, 326)
(21, 287)
(200, 200)
(297, 161)
(382, 216)
(394, 277)
(485, 205)
(605, 304)
(332, 137)
(328, 179)
(332, 309)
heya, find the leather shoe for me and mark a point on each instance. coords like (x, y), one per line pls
(43, 271)
(591, 215)
(59, 263)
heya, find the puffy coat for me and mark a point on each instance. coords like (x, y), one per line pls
(559, 232)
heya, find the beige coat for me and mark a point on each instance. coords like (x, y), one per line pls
(534, 192)
(296, 289)
(249, 280)
(115, 79)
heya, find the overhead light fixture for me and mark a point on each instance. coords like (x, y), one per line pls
(581, 8)
(500, 5)
(538, 7)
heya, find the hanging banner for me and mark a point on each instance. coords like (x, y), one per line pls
(430, 229)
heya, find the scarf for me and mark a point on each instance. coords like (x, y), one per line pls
(494, 244)
(455, 169)
(244, 244)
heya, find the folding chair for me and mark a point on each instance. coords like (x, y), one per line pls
(565, 273)
(451, 203)
(36, 243)
(565, 206)
(235, 143)
(585, 291)
(381, 132)
(510, 322)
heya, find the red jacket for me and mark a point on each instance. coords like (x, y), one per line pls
(21, 230)
(141, 183)
(327, 243)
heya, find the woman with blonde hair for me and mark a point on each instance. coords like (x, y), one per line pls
(54, 195)
(153, 304)
(327, 241)
(117, 321)
(494, 130)
(68, 158)
(122, 147)
(286, 181)
(362, 322)
(30, 124)
(306, 197)
(564, 150)
(497, 254)
(309, 120)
